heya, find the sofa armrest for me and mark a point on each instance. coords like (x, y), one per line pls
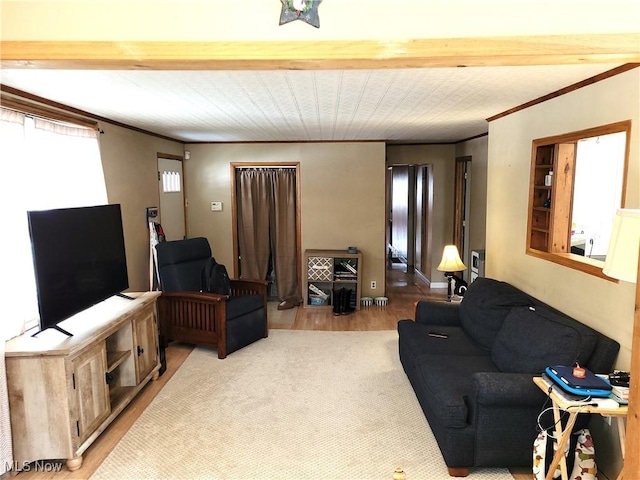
(438, 313)
(505, 412)
(507, 389)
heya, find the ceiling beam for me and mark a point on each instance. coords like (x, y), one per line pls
(306, 55)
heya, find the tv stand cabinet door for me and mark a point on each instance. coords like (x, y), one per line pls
(91, 392)
(145, 338)
(39, 405)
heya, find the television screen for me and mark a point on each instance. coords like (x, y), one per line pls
(79, 259)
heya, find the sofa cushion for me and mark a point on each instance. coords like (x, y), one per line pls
(448, 381)
(415, 340)
(485, 305)
(529, 341)
(588, 337)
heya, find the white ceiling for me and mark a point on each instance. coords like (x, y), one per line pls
(433, 105)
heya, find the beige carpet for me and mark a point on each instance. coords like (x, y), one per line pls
(297, 405)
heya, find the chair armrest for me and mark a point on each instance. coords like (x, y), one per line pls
(194, 296)
(248, 287)
(438, 313)
(507, 389)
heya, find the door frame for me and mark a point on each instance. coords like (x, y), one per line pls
(460, 201)
(424, 176)
(180, 158)
(234, 213)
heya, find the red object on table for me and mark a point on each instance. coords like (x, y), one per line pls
(579, 372)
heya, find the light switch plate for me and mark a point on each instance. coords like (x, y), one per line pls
(152, 214)
(216, 206)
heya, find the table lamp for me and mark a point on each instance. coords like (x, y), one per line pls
(450, 264)
(622, 263)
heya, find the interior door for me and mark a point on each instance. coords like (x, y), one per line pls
(424, 205)
(171, 193)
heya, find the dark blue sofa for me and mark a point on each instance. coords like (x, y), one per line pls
(475, 386)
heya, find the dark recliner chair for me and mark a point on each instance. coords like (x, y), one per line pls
(188, 315)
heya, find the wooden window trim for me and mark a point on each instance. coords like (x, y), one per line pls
(555, 253)
(45, 112)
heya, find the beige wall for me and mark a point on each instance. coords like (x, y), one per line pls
(605, 305)
(476, 192)
(142, 20)
(130, 167)
(342, 196)
(442, 160)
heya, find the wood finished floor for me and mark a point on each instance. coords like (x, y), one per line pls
(402, 291)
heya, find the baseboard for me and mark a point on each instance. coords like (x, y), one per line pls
(431, 284)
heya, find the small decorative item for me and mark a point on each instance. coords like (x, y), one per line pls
(579, 372)
(366, 302)
(305, 10)
(399, 474)
(460, 286)
(381, 301)
(352, 249)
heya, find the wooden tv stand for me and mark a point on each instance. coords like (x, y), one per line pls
(65, 391)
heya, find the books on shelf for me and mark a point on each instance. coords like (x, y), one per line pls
(621, 401)
(349, 267)
(318, 291)
(345, 276)
(621, 392)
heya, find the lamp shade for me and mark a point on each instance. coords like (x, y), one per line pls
(451, 260)
(622, 256)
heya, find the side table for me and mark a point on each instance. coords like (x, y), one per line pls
(560, 403)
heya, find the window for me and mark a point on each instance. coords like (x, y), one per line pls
(170, 182)
(577, 183)
(46, 165)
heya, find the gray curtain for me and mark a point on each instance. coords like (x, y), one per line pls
(267, 227)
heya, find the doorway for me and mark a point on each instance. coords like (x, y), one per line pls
(410, 207)
(399, 218)
(266, 216)
(171, 195)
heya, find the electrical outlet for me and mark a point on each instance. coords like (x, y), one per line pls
(374, 285)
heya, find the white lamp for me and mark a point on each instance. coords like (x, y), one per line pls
(450, 264)
(622, 263)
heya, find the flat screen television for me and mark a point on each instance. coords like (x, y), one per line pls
(79, 259)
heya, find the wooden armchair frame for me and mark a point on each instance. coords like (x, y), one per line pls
(199, 317)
